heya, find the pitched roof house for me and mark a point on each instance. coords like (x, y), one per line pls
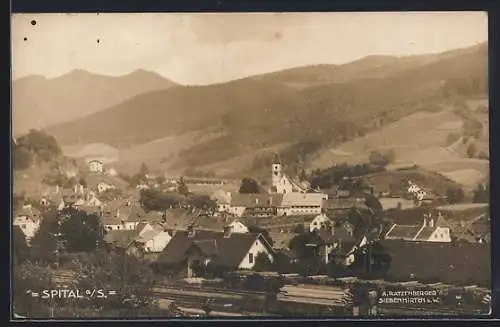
(301, 203)
(223, 199)
(430, 230)
(334, 242)
(320, 221)
(224, 249)
(255, 204)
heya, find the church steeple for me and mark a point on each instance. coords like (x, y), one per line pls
(276, 159)
(276, 171)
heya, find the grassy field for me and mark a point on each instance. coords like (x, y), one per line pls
(396, 181)
(419, 139)
(416, 132)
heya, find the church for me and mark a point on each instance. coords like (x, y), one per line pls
(298, 197)
(282, 184)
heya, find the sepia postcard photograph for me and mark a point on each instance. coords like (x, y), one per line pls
(250, 165)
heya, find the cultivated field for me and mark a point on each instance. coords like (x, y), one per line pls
(419, 139)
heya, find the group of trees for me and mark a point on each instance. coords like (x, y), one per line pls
(75, 237)
(455, 195)
(249, 186)
(156, 200)
(381, 158)
(337, 175)
(35, 145)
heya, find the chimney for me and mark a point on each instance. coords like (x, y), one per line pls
(425, 221)
(118, 212)
(431, 222)
(256, 201)
(57, 189)
(227, 231)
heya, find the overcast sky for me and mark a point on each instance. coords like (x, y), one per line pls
(211, 48)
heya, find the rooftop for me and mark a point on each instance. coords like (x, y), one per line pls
(230, 250)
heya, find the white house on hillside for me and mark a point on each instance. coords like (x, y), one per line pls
(96, 166)
(28, 219)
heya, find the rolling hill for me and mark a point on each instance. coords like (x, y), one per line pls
(74, 95)
(267, 111)
(368, 67)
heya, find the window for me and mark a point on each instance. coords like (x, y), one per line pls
(23, 226)
(250, 257)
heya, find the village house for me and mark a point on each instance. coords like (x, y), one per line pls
(53, 198)
(193, 248)
(430, 230)
(154, 240)
(123, 215)
(258, 205)
(333, 243)
(301, 204)
(28, 219)
(96, 166)
(203, 181)
(320, 221)
(130, 240)
(223, 200)
(336, 192)
(238, 227)
(103, 183)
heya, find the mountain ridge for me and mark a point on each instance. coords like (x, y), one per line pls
(78, 92)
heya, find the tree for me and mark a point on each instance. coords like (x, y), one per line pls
(381, 159)
(249, 186)
(22, 158)
(182, 187)
(299, 229)
(152, 200)
(374, 204)
(29, 277)
(41, 144)
(303, 176)
(144, 170)
(363, 221)
(452, 138)
(21, 251)
(45, 240)
(202, 202)
(471, 150)
(81, 232)
(82, 182)
(160, 180)
(130, 277)
(483, 155)
(262, 262)
(455, 195)
(482, 194)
